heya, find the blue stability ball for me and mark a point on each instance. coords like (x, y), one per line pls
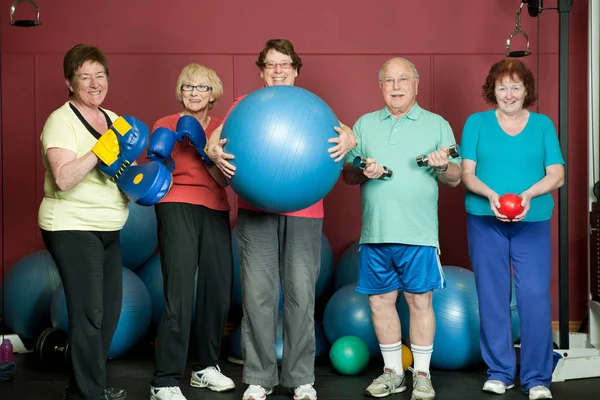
(235, 344)
(514, 313)
(279, 137)
(323, 281)
(346, 271)
(456, 342)
(29, 285)
(151, 274)
(348, 313)
(138, 237)
(136, 312)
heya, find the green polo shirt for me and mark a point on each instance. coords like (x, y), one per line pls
(402, 209)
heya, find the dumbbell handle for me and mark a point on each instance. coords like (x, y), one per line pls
(361, 163)
(452, 151)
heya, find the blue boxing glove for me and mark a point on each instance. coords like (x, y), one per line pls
(188, 126)
(120, 146)
(161, 146)
(146, 184)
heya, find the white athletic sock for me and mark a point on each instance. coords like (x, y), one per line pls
(392, 357)
(421, 357)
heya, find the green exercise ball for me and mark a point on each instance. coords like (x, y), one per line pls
(349, 355)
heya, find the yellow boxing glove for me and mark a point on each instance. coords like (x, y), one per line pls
(107, 148)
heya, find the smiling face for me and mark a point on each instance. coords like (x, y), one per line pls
(197, 99)
(510, 95)
(90, 84)
(278, 75)
(399, 87)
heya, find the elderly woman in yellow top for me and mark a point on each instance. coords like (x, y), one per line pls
(81, 217)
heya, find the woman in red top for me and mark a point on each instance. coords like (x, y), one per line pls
(194, 236)
(279, 249)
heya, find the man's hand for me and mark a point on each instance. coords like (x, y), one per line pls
(373, 170)
(346, 141)
(438, 159)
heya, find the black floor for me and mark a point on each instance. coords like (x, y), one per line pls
(30, 381)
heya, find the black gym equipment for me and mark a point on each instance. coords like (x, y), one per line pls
(25, 23)
(51, 347)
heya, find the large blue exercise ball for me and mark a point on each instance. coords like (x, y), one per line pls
(136, 312)
(279, 137)
(346, 271)
(138, 237)
(235, 344)
(348, 313)
(456, 342)
(323, 280)
(151, 274)
(514, 313)
(29, 285)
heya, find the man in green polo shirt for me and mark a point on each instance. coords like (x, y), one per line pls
(399, 239)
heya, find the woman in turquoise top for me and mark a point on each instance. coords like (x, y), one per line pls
(512, 150)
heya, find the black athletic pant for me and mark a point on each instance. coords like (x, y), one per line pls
(90, 267)
(192, 238)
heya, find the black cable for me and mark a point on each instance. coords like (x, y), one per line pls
(537, 81)
(2, 327)
(594, 172)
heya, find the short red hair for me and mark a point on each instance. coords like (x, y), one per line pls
(514, 69)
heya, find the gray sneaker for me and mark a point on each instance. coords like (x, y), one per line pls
(387, 383)
(422, 389)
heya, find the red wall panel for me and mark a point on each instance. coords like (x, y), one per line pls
(343, 44)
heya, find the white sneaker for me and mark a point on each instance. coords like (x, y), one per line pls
(305, 392)
(422, 388)
(539, 392)
(256, 392)
(386, 384)
(213, 379)
(498, 387)
(166, 393)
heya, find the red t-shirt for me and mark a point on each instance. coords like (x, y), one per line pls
(314, 211)
(192, 182)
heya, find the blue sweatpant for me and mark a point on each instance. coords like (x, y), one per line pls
(493, 246)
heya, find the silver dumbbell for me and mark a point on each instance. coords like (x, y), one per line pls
(452, 151)
(361, 163)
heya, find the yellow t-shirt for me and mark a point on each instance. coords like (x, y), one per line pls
(95, 203)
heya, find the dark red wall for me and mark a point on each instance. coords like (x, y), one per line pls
(343, 44)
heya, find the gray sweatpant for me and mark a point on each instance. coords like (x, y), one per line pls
(272, 249)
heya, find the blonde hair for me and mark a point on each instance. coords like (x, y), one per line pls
(200, 72)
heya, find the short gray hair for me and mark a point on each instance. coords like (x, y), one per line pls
(410, 64)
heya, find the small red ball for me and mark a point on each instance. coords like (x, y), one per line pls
(510, 205)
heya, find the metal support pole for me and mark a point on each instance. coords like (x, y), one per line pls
(564, 8)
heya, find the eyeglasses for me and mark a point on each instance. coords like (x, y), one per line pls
(190, 88)
(403, 80)
(283, 65)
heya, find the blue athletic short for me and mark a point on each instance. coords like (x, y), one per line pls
(385, 267)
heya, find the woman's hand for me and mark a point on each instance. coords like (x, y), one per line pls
(346, 141)
(525, 203)
(495, 206)
(219, 157)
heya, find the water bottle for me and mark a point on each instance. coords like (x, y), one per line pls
(6, 351)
